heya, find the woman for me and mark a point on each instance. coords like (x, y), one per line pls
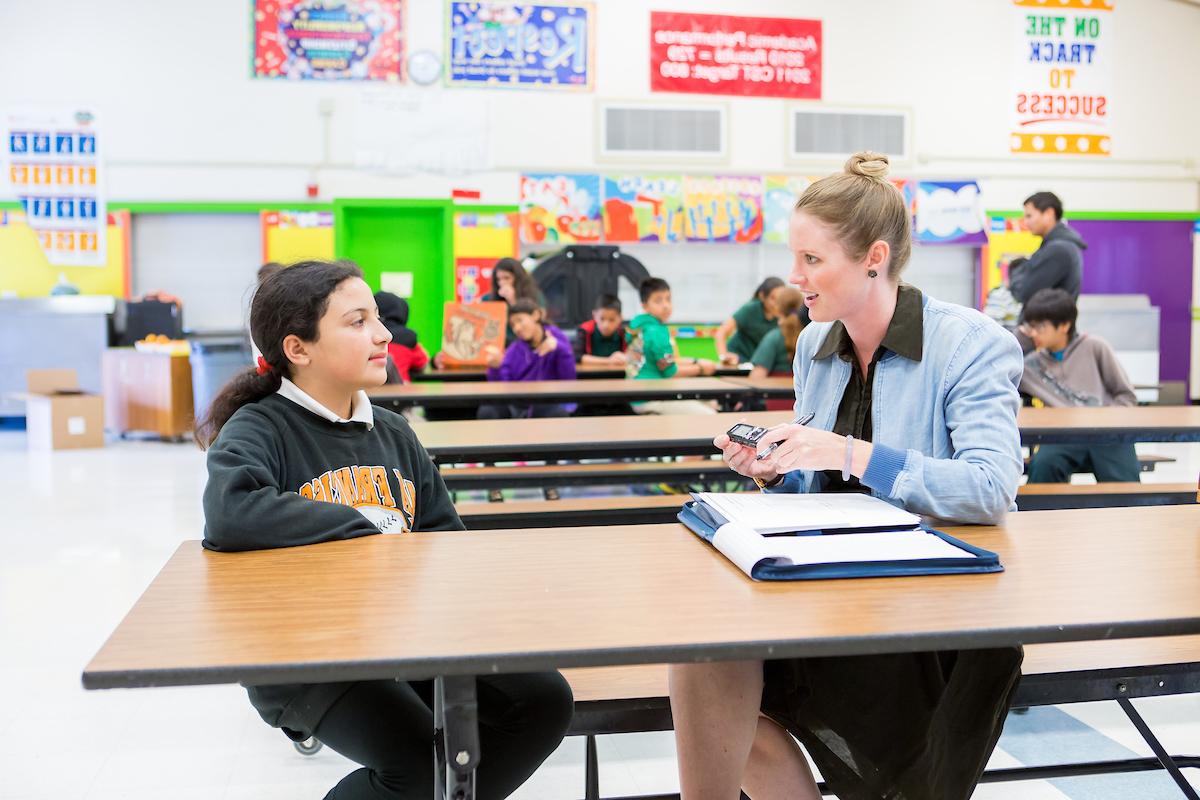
(916, 403)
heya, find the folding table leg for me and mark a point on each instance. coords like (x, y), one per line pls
(591, 771)
(455, 737)
(1159, 751)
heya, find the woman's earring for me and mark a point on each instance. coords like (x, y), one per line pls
(872, 273)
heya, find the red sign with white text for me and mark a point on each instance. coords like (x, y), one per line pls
(719, 54)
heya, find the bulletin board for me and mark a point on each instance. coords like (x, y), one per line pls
(25, 271)
(289, 236)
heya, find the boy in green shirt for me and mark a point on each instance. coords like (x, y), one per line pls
(651, 351)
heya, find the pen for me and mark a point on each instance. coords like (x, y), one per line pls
(801, 420)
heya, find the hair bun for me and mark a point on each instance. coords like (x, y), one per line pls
(868, 164)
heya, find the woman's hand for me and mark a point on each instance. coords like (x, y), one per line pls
(802, 447)
(549, 345)
(741, 459)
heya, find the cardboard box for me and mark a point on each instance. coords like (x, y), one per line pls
(58, 416)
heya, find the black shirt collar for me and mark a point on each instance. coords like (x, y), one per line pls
(904, 333)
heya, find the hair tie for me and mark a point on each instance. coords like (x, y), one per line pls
(263, 366)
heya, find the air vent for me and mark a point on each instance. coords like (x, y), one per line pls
(631, 131)
(833, 133)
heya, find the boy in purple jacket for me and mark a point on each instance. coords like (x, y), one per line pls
(540, 352)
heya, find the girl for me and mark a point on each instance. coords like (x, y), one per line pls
(406, 353)
(740, 334)
(540, 352)
(297, 455)
(916, 403)
(775, 352)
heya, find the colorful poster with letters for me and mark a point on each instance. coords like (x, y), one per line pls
(329, 40)
(779, 199)
(520, 45)
(560, 208)
(480, 240)
(1062, 77)
(643, 208)
(55, 170)
(950, 212)
(723, 208)
(290, 236)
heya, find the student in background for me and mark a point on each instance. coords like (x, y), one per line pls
(298, 455)
(1074, 369)
(405, 352)
(739, 335)
(510, 283)
(777, 350)
(540, 352)
(601, 340)
(651, 351)
(1058, 261)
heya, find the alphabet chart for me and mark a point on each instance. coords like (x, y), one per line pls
(54, 169)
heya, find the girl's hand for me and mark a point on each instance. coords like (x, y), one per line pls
(706, 367)
(730, 359)
(549, 345)
(741, 459)
(508, 292)
(493, 356)
(439, 360)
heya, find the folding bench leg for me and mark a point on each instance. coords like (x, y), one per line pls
(591, 768)
(1159, 751)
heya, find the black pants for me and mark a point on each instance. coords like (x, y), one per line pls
(387, 726)
(1054, 463)
(506, 411)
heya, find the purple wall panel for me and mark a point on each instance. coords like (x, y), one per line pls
(1151, 258)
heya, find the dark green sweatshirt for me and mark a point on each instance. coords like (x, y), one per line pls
(280, 476)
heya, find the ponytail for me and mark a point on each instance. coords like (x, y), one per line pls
(288, 302)
(793, 316)
(246, 387)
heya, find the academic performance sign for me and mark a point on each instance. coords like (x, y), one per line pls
(543, 46)
(718, 54)
(1062, 77)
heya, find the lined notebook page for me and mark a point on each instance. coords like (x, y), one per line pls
(784, 513)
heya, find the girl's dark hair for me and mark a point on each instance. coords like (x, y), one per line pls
(766, 287)
(523, 282)
(290, 301)
(524, 305)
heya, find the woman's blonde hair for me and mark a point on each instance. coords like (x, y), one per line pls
(863, 207)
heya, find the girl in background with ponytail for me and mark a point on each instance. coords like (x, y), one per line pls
(298, 455)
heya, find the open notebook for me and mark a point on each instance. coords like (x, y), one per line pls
(810, 536)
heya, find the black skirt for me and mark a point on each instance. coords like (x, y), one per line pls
(910, 726)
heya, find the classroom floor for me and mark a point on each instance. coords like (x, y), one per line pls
(84, 532)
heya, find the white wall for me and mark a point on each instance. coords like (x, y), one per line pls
(183, 119)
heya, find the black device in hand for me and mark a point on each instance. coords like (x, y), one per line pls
(746, 434)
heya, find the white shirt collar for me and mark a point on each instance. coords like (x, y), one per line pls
(360, 411)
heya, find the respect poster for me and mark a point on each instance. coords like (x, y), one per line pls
(560, 208)
(520, 45)
(1062, 77)
(55, 170)
(723, 208)
(330, 40)
(643, 208)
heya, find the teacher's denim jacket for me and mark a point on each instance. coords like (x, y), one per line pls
(945, 433)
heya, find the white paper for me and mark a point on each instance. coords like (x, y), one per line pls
(747, 549)
(784, 513)
(398, 283)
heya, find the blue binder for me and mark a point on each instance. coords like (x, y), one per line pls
(704, 521)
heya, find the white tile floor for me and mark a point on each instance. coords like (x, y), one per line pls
(81, 535)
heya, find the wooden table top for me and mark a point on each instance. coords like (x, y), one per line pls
(418, 605)
(1109, 425)
(429, 393)
(581, 437)
(773, 386)
(584, 371)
